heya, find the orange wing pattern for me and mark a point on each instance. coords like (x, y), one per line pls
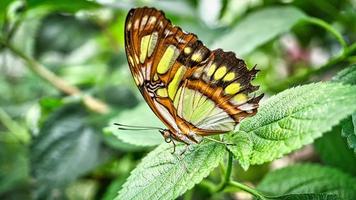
(193, 90)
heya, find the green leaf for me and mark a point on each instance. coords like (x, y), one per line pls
(65, 149)
(3, 8)
(62, 5)
(25, 35)
(111, 191)
(349, 131)
(14, 165)
(295, 117)
(163, 175)
(241, 148)
(258, 28)
(139, 116)
(346, 76)
(309, 178)
(307, 197)
(331, 146)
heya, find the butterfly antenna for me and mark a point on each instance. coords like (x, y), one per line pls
(134, 128)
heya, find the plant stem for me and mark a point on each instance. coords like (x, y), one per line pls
(327, 27)
(59, 83)
(247, 189)
(227, 173)
(20, 133)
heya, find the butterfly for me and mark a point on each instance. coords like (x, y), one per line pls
(196, 92)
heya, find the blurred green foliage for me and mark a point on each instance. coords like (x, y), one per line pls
(56, 144)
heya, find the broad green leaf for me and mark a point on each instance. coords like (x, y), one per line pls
(307, 197)
(3, 10)
(258, 28)
(349, 131)
(62, 5)
(333, 151)
(112, 189)
(295, 117)
(309, 178)
(14, 164)
(241, 148)
(163, 175)
(346, 76)
(65, 149)
(139, 116)
(25, 35)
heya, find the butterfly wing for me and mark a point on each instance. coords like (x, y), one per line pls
(189, 87)
(218, 94)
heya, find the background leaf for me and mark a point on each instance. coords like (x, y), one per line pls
(293, 180)
(14, 165)
(307, 197)
(65, 149)
(333, 151)
(162, 175)
(295, 117)
(62, 5)
(348, 76)
(258, 28)
(349, 131)
(141, 115)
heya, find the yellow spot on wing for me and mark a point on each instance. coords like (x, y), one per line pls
(129, 25)
(233, 88)
(162, 92)
(136, 24)
(173, 85)
(240, 98)
(152, 20)
(229, 76)
(144, 45)
(211, 70)
(220, 73)
(197, 57)
(167, 60)
(155, 77)
(187, 50)
(143, 21)
(152, 44)
(138, 79)
(131, 61)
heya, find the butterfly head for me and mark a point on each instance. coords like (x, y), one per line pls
(167, 135)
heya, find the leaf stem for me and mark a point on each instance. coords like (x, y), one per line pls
(247, 189)
(59, 83)
(327, 27)
(227, 176)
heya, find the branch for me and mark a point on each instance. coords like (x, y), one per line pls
(247, 189)
(327, 27)
(92, 103)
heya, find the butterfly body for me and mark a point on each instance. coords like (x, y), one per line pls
(194, 91)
